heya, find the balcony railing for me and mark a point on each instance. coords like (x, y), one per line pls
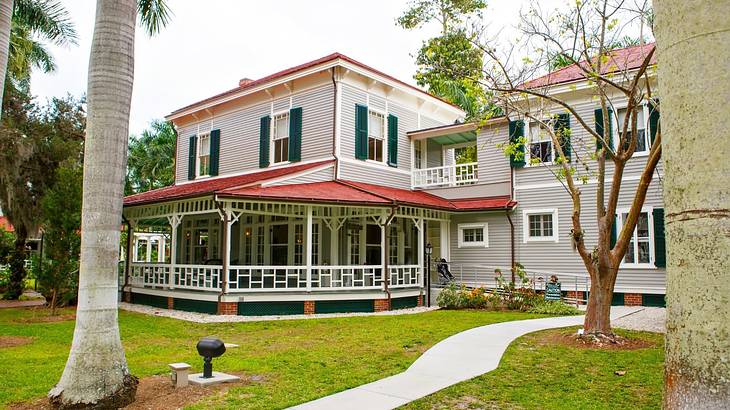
(446, 176)
(272, 278)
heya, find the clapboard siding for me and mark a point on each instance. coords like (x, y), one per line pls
(498, 252)
(370, 172)
(494, 167)
(240, 131)
(560, 256)
(434, 154)
(326, 174)
(428, 122)
(374, 174)
(584, 146)
(317, 121)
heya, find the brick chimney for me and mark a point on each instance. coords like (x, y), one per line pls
(244, 82)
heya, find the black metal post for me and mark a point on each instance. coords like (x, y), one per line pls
(428, 281)
(207, 367)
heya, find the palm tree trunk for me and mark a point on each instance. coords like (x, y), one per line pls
(692, 44)
(96, 371)
(6, 16)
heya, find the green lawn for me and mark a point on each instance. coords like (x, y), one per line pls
(299, 360)
(537, 374)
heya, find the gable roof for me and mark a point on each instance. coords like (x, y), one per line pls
(249, 85)
(210, 186)
(619, 59)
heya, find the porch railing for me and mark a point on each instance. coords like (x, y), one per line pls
(448, 175)
(272, 278)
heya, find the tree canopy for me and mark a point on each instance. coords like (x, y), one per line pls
(150, 160)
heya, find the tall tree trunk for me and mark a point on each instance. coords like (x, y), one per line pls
(96, 371)
(6, 16)
(17, 265)
(598, 311)
(692, 44)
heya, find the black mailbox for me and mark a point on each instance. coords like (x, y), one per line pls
(209, 348)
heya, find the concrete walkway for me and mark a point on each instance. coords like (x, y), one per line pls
(458, 358)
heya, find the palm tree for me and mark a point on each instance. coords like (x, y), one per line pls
(150, 161)
(96, 373)
(692, 38)
(6, 14)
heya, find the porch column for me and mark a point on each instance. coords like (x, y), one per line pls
(308, 235)
(161, 248)
(148, 256)
(421, 250)
(134, 248)
(129, 245)
(444, 239)
(174, 221)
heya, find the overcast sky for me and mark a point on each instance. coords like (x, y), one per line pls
(210, 45)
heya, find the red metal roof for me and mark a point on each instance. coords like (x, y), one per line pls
(620, 59)
(210, 186)
(301, 67)
(350, 192)
(5, 224)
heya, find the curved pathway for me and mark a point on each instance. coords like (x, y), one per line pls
(453, 360)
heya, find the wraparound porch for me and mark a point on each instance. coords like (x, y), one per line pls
(231, 251)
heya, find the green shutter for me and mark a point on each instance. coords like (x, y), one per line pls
(598, 115)
(295, 134)
(192, 151)
(392, 140)
(264, 141)
(653, 119)
(516, 131)
(361, 131)
(614, 232)
(215, 148)
(660, 249)
(562, 130)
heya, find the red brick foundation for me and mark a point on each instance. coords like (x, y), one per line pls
(170, 302)
(227, 308)
(420, 300)
(308, 307)
(381, 305)
(633, 299)
(127, 297)
(571, 294)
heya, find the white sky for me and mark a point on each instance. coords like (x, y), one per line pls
(207, 49)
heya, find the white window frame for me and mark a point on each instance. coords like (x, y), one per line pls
(526, 225)
(649, 210)
(615, 128)
(385, 136)
(528, 144)
(476, 244)
(197, 154)
(273, 139)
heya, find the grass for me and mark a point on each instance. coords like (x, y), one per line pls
(536, 373)
(298, 360)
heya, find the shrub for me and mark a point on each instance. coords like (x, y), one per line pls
(554, 307)
(453, 297)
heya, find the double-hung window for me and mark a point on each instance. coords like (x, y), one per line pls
(640, 245)
(376, 136)
(540, 225)
(540, 144)
(203, 155)
(473, 235)
(280, 136)
(642, 143)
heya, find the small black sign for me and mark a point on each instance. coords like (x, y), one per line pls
(552, 291)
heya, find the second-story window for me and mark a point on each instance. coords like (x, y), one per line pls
(417, 155)
(540, 144)
(376, 136)
(280, 136)
(204, 155)
(642, 144)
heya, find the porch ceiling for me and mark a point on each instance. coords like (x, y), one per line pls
(457, 138)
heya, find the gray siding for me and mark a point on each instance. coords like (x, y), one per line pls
(239, 150)
(434, 154)
(375, 173)
(494, 167)
(560, 256)
(322, 175)
(496, 255)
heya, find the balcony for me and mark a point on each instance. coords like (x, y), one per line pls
(445, 176)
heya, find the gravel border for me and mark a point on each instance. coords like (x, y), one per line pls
(206, 318)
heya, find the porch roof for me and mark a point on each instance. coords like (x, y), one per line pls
(210, 186)
(360, 193)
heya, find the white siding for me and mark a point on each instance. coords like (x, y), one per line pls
(322, 175)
